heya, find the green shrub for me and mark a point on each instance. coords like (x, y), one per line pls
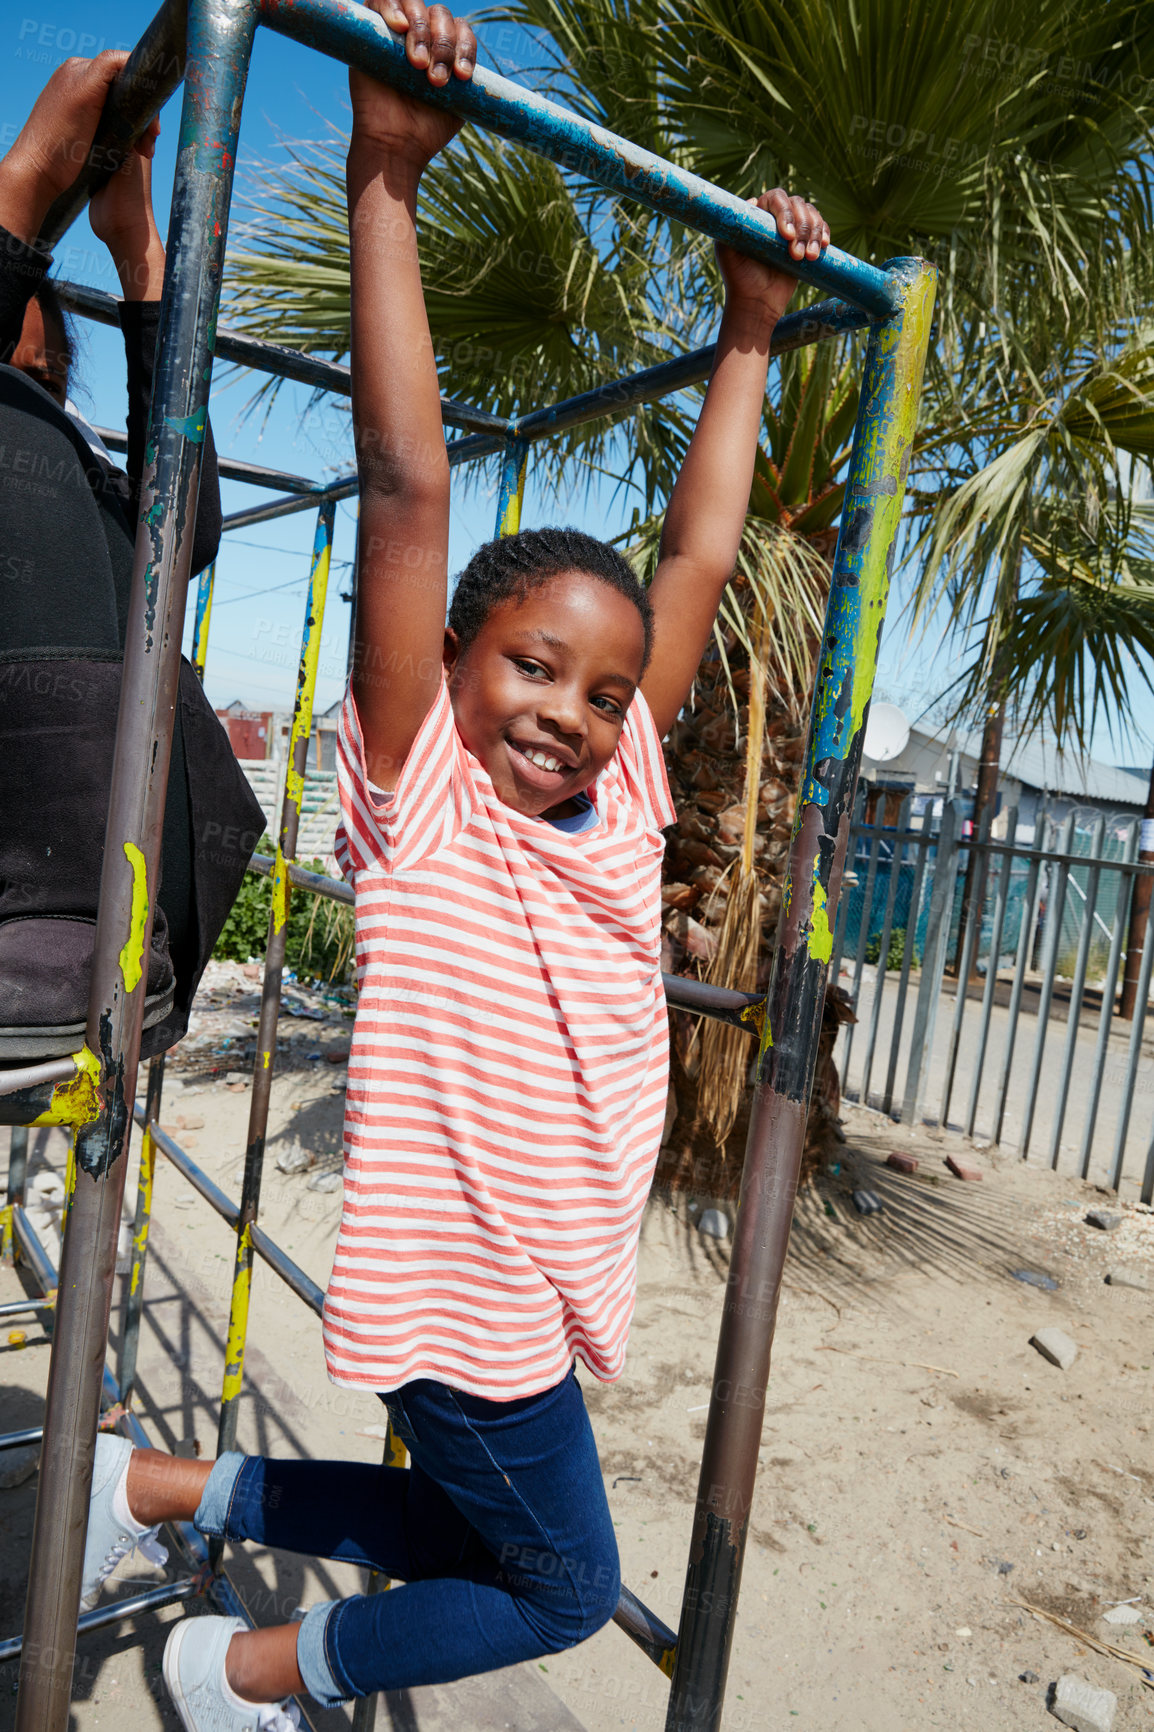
(319, 941)
(897, 948)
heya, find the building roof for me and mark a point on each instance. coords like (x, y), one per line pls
(1036, 763)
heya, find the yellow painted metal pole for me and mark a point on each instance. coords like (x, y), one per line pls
(511, 487)
(203, 617)
(142, 1221)
(273, 973)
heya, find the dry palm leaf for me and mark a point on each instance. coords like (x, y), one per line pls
(724, 1049)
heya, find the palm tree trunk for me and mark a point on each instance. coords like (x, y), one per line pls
(1139, 909)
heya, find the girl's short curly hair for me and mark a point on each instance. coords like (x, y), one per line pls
(511, 567)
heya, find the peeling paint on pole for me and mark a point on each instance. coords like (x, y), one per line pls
(859, 592)
(132, 951)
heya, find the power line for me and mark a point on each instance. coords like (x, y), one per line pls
(273, 589)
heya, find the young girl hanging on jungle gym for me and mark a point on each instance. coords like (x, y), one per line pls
(503, 798)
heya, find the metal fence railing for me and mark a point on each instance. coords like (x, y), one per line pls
(1004, 1023)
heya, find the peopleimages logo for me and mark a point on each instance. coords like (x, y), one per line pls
(912, 146)
(993, 56)
(39, 33)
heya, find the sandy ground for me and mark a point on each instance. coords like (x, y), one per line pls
(922, 1467)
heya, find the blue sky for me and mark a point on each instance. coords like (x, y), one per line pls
(261, 572)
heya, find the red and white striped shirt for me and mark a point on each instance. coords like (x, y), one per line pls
(508, 1074)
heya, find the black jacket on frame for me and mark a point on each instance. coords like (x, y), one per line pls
(67, 534)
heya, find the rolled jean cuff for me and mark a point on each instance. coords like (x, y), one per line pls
(216, 1499)
(312, 1659)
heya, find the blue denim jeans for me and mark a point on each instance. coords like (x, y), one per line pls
(499, 1529)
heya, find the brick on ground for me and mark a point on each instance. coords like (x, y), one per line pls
(1082, 1706)
(1128, 1278)
(1056, 1346)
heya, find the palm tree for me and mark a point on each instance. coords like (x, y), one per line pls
(1031, 540)
(948, 131)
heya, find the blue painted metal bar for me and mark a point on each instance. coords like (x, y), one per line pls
(264, 357)
(232, 468)
(204, 589)
(795, 331)
(352, 34)
(286, 505)
(814, 324)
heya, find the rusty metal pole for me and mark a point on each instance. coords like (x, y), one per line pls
(1139, 909)
(887, 418)
(219, 43)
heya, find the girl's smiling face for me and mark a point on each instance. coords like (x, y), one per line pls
(540, 694)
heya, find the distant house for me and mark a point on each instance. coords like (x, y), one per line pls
(249, 731)
(323, 746)
(1034, 774)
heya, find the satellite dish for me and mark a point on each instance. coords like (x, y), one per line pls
(887, 733)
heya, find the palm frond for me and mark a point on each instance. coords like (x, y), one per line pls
(1075, 645)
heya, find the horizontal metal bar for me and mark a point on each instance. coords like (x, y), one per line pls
(230, 468)
(681, 993)
(342, 488)
(718, 1002)
(795, 331)
(358, 37)
(264, 357)
(168, 1594)
(16, 1307)
(265, 1247)
(26, 1106)
(646, 1629)
(52, 1070)
(332, 889)
(19, 1439)
(40, 1264)
(321, 885)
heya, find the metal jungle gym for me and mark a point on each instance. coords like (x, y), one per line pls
(207, 44)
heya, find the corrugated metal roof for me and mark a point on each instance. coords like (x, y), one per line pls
(1037, 764)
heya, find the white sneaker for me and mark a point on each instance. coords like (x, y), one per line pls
(112, 1532)
(194, 1658)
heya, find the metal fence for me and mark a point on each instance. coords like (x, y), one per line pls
(1017, 1040)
